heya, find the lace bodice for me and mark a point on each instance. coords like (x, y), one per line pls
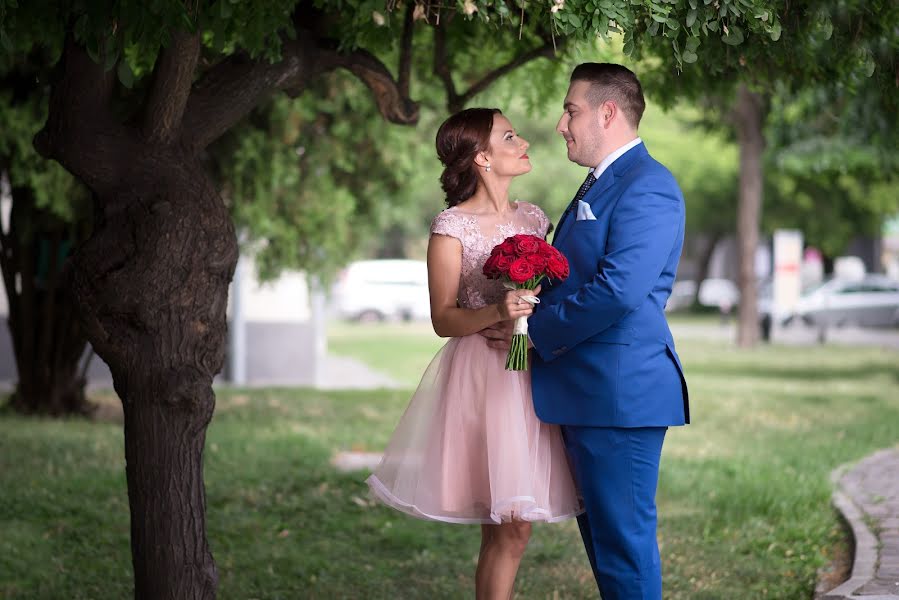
(479, 235)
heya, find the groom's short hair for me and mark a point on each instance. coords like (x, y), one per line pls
(609, 81)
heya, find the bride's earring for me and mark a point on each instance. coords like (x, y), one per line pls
(487, 168)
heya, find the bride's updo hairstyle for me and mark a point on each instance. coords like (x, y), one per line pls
(459, 140)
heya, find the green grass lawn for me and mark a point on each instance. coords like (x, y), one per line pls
(743, 499)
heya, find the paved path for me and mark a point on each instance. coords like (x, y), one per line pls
(867, 494)
(792, 335)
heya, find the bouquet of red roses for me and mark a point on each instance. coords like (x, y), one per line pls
(523, 261)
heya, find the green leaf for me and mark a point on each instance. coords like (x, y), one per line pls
(111, 57)
(689, 57)
(775, 31)
(691, 17)
(659, 18)
(5, 41)
(126, 75)
(575, 20)
(692, 44)
(734, 37)
(672, 24)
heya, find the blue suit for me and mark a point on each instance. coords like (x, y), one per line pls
(605, 367)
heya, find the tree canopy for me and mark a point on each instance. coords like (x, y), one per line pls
(141, 100)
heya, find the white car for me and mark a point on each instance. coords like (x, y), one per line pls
(871, 301)
(377, 290)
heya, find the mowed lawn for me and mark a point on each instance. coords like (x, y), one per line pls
(744, 497)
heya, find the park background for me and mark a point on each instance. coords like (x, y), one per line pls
(314, 182)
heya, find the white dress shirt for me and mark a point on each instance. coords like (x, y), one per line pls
(599, 170)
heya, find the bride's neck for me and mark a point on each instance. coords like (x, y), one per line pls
(491, 197)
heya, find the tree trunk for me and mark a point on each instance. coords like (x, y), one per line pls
(393, 244)
(749, 119)
(152, 284)
(47, 339)
(702, 265)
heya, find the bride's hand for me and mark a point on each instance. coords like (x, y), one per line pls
(512, 306)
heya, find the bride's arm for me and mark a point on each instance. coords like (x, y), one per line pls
(448, 319)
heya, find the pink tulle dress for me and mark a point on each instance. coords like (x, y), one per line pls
(469, 448)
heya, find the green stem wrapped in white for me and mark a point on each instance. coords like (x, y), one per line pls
(517, 360)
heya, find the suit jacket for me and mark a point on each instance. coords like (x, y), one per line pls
(604, 355)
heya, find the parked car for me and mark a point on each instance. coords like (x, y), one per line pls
(376, 290)
(871, 301)
(682, 294)
(721, 293)
(711, 293)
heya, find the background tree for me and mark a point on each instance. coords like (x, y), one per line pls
(141, 89)
(49, 216)
(842, 46)
(834, 164)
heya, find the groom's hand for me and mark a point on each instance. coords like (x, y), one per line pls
(499, 336)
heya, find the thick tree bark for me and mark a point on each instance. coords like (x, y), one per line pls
(151, 283)
(47, 339)
(152, 286)
(749, 120)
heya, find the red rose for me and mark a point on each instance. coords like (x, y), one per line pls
(527, 244)
(507, 247)
(490, 271)
(503, 262)
(520, 270)
(547, 251)
(557, 267)
(537, 261)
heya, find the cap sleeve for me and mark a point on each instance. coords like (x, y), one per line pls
(447, 223)
(543, 226)
(543, 222)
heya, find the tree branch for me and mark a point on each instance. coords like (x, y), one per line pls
(79, 110)
(393, 105)
(547, 50)
(233, 88)
(230, 90)
(442, 67)
(456, 101)
(170, 89)
(405, 66)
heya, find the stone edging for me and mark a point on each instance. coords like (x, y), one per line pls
(867, 546)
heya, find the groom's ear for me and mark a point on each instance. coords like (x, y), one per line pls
(607, 113)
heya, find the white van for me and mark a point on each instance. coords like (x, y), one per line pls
(376, 290)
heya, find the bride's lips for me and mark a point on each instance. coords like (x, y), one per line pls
(524, 156)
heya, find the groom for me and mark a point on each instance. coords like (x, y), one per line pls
(604, 365)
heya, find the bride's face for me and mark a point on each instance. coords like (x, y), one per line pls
(508, 152)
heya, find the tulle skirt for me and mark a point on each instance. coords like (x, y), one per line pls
(469, 448)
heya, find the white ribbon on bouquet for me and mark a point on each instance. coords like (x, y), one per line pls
(521, 323)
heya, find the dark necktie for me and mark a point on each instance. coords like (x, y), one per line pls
(581, 192)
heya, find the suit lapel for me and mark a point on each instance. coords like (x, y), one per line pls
(604, 182)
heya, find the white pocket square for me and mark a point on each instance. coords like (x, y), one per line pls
(583, 212)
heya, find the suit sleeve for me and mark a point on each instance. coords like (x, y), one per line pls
(642, 232)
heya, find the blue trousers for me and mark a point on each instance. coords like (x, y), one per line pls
(617, 472)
